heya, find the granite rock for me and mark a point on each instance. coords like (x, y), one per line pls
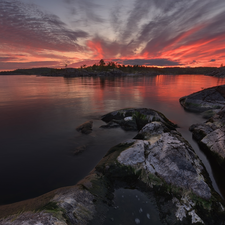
(158, 162)
(210, 99)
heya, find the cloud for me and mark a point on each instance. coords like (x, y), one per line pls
(26, 26)
(152, 62)
(171, 32)
(7, 58)
(212, 60)
(103, 48)
(158, 29)
(85, 10)
(20, 65)
(176, 28)
(84, 62)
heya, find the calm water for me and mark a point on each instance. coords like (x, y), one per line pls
(39, 116)
(133, 207)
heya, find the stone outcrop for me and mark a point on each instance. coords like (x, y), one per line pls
(134, 119)
(157, 162)
(209, 101)
(211, 136)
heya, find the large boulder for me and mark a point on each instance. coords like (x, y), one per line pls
(210, 100)
(165, 163)
(158, 163)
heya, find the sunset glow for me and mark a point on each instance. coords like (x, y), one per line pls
(74, 32)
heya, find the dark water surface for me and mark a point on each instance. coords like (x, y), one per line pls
(39, 116)
(133, 207)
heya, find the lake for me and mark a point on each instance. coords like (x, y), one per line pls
(39, 116)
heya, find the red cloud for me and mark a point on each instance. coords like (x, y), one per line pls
(96, 48)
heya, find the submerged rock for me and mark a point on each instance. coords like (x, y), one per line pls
(158, 162)
(210, 99)
(85, 128)
(79, 149)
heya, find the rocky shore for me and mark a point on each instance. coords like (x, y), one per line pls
(158, 163)
(111, 69)
(92, 73)
(211, 134)
(218, 72)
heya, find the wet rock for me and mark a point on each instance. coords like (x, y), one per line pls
(85, 128)
(210, 99)
(110, 125)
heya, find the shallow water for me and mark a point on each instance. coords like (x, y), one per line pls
(39, 116)
(132, 207)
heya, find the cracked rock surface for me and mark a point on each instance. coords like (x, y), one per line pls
(169, 157)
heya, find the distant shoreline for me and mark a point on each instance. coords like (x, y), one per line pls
(115, 72)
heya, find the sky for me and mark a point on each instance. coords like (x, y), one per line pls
(53, 33)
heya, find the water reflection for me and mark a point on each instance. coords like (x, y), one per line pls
(38, 117)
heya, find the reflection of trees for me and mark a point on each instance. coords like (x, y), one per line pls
(67, 80)
(102, 83)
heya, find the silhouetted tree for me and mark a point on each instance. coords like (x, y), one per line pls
(111, 65)
(102, 62)
(94, 66)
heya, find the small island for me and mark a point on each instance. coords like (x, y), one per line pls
(112, 69)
